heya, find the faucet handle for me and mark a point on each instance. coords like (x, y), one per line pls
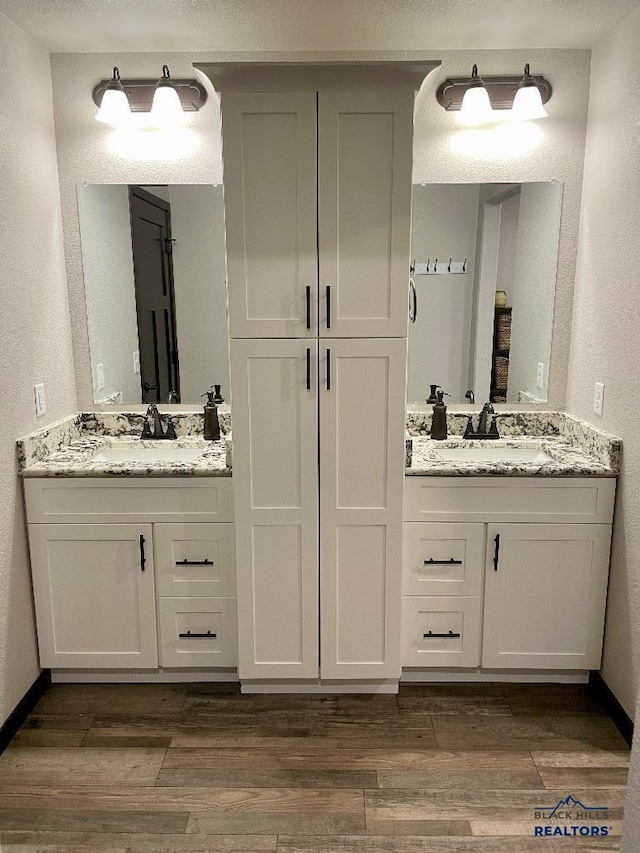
(170, 431)
(146, 429)
(469, 431)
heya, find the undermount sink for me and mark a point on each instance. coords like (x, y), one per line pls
(493, 454)
(161, 453)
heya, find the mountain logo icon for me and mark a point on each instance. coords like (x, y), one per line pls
(569, 804)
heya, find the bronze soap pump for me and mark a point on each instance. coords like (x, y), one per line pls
(439, 418)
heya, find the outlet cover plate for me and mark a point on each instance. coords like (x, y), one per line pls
(100, 376)
(598, 398)
(540, 376)
(136, 361)
(40, 400)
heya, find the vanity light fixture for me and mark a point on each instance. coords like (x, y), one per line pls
(523, 96)
(527, 103)
(165, 100)
(166, 109)
(475, 108)
(114, 104)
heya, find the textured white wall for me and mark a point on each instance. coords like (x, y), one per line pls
(36, 343)
(606, 331)
(534, 284)
(107, 261)
(86, 152)
(197, 224)
(444, 224)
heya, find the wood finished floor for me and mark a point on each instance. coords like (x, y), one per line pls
(173, 768)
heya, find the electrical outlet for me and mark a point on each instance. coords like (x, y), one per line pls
(540, 376)
(598, 398)
(99, 377)
(136, 361)
(41, 403)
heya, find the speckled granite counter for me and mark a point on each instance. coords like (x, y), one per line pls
(575, 447)
(69, 448)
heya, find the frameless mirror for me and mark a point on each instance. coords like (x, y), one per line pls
(155, 283)
(484, 276)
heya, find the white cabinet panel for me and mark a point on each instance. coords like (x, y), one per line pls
(443, 559)
(545, 595)
(276, 487)
(364, 211)
(94, 594)
(269, 142)
(195, 559)
(361, 479)
(583, 500)
(198, 632)
(439, 631)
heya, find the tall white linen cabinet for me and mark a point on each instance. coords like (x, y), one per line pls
(317, 193)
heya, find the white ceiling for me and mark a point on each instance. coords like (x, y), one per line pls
(313, 25)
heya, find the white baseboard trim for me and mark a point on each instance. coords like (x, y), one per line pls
(140, 676)
(318, 686)
(431, 676)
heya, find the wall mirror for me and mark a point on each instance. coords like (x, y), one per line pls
(155, 283)
(484, 277)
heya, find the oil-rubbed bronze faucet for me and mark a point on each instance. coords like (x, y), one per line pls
(484, 431)
(157, 434)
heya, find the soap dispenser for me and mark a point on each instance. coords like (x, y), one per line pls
(439, 419)
(211, 421)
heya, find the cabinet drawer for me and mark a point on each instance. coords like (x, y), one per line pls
(181, 619)
(586, 500)
(109, 500)
(442, 559)
(195, 559)
(440, 615)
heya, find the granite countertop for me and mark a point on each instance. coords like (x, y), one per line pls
(566, 460)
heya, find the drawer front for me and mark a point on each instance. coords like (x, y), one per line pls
(110, 500)
(425, 618)
(195, 559)
(442, 559)
(587, 500)
(183, 619)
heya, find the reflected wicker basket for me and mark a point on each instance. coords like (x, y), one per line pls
(502, 372)
(503, 331)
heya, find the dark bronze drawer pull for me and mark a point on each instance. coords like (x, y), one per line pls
(430, 635)
(194, 562)
(191, 636)
(449, 562)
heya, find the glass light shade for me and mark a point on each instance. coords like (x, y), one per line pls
(476, 107)
(166, 109)
(527, 104)
(114, 108)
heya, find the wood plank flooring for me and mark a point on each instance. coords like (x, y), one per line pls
(438, 768)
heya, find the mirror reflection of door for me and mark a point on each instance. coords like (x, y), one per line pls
(155, 300)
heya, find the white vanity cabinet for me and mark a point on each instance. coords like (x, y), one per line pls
(505, 573)
(152, 585)
(317, 181)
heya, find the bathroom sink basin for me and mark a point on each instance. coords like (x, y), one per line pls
(493, 454)
(132, 453)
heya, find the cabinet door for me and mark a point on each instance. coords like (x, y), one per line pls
(94, 593)
(275, 471)
(546, 588)
(269, 142)
(364, 212)
(362, 457)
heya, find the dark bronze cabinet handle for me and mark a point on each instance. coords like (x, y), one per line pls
(449, 562)
(328, 291)
(190, 636)
(328, 370)
(496, 553)
(185, 562)
(308, 298)
(431, 636)
(308, 368)
(143, 559)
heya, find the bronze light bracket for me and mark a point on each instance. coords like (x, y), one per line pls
(502, 91)
(140, 93)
